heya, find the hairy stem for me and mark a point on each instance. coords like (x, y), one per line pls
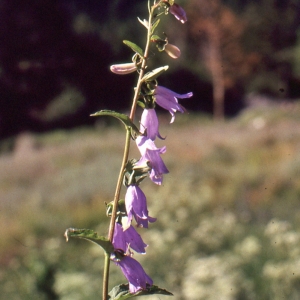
(125, 158)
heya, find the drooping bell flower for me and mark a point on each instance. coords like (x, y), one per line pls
(136, 206)
(149, 124)
(134, 240)
(172, 51)
(178, 12)
(134, 273)
(150, 153)
(119, 239)
(122, 240)
(167, 99)
(123, 69)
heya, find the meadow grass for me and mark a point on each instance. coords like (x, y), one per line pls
(228, 212)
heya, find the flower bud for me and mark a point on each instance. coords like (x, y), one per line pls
(172, 51)
(123, 69)
(178, 12)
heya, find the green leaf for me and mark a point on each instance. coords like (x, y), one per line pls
(156, 38)
(134, 47)
(121, 292)
(141, 104)
(155, 25)
(154, 73)
(122, 117)
(90, 235)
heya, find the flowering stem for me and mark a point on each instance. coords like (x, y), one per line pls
(142, 71)
(125, 157)
(114, 213)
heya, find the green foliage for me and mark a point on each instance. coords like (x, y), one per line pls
(122, 117)
(152, 75)
(155, 24)
(90, 235)
(134, 47)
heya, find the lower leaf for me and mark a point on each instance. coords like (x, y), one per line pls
(121, 292)
(90, 235)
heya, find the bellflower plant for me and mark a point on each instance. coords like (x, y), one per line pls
(123, 240)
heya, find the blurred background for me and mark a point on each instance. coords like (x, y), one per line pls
(228, 213)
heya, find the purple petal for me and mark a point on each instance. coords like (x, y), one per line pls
(178, 12)
(145, 143)
(143, 223)
(134, 273)
(140, 204)
(167, 99)
(156, 161)
(149, 124)
(119, 238)
(151, 153)
(136, 206)
(134, 240)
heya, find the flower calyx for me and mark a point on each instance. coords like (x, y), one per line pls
(135, 174)
(121, 209)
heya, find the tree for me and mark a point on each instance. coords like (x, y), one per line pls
(217, 31)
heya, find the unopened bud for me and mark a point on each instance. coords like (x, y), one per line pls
(178, 12)
(123, 69)
(172, 51)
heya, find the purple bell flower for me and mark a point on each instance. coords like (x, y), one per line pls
(150, 153)
(178, 12)
(167, 99)
(149, 124)
(122, 240)
(136, 206)
(134, 273)
(118, 241)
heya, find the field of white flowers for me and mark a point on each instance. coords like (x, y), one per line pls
(228, 214)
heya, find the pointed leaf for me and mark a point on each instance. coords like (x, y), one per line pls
(122, 117)
(134, 47)
(155, 25)
(154, 73)
(121, 292)
(156, 38)
(90, 235)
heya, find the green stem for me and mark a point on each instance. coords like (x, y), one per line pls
(105, 278)
(114, 213)
(142, 71)
(125, 159)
